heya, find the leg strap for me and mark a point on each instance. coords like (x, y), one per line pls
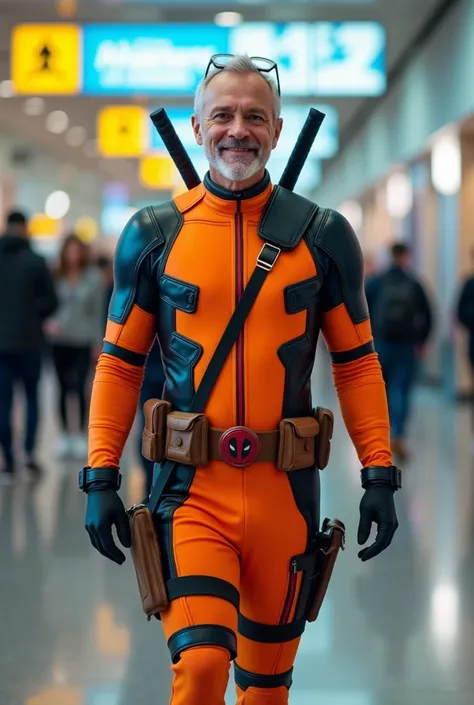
(269, 633)
(206, 585)
(202, 635)
(245, 679)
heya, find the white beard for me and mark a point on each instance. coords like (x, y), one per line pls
(237, 170)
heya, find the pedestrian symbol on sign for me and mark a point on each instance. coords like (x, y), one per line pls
(46, 55)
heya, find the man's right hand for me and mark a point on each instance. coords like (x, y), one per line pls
(105, 508)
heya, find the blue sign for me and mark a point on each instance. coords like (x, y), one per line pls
(322, 58)
(325, 146)
(161, 59)
(349, 59)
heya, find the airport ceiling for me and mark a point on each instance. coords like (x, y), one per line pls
(402, 20)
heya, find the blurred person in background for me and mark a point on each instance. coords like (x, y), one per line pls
(27, 298)
(75, 333)
(402, 318)
(465, 316)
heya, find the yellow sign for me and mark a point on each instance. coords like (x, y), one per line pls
(41, 225)
(157, 172)
(46, 59)
(122, 131)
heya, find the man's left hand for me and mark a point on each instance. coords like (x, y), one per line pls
(377, 505)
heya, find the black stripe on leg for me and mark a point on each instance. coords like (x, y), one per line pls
(245, 679)
(202, 635)
(270, 633)
(189, 585)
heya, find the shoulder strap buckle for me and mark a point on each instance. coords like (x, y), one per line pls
(268, 256)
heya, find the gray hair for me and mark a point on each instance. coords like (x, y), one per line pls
(240, 63)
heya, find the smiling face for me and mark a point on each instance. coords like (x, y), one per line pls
(237, 128)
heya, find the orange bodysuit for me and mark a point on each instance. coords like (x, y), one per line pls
(229, 535)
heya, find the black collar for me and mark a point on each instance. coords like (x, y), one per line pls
(228, 195)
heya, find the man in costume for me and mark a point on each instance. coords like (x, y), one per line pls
(232, 531)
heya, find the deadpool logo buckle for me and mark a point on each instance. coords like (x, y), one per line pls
(239, 447)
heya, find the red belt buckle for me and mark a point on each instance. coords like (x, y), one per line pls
(239, 447)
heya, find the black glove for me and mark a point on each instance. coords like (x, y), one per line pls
(377, 506)
(105, 508)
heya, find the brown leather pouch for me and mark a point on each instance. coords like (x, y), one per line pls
(325, 418)
(330, 541)
(146, 556)
(187, 438)
(154, 433)
(297, 443)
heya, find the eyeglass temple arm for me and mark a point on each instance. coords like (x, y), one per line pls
(175, 148)
(301, 149)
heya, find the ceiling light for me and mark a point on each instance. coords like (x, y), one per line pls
(76, 136)
(228, 19)
(446, 163)
(57, 205)
(57, 122)
(34, 106)
(399, 195)
(6, 89)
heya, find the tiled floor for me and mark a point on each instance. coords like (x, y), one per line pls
(398, 630)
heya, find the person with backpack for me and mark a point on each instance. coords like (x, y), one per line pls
(402, 321)
(465, 316)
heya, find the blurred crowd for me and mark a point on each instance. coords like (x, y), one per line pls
(53, 315)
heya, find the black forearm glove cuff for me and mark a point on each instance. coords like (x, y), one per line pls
(377, 475)
(99, 478)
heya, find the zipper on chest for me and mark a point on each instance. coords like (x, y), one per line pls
(239, 288)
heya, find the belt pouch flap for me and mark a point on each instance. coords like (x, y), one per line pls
(325, 418)
(187, 438)
(154, 433)
(146, 556)
(330, 541)
(296, 448)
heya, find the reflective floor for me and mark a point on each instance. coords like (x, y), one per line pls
(395, 631)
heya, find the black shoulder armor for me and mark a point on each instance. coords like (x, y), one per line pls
(146, 231)
(286, 218)
(333, 234)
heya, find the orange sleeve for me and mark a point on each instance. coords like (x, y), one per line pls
(116, 388)
(359, 385)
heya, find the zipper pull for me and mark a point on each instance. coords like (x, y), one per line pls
(294, 566)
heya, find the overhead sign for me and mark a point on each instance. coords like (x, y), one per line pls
(122, 131)
(170, 59)
(157, 171)
(349, 59)
(321, 58)
(325, 146)
(46, 59)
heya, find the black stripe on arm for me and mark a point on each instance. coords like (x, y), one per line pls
(129, 356)
(351, 355)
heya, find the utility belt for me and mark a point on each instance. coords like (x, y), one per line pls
(188, 438)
